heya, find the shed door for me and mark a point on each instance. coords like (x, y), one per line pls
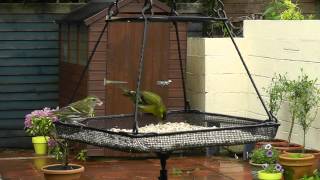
(124, 44)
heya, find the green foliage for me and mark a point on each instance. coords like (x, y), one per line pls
(296, 155)
(273, 168)
(82, 155)
(177, 171)
(263, 156)
(41, 126)
(60, 149)
(283, 10)
(212, 28)
(304, 98)
(315, 176)
(276, 91)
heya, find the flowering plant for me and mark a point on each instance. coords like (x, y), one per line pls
(272, 168)
(265, 155)
(40, 122)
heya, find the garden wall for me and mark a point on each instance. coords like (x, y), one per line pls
(217, 81)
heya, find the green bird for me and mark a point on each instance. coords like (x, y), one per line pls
(148, 102)
(76, 112)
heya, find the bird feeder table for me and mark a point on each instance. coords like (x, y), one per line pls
(216, 129)
(117, 58)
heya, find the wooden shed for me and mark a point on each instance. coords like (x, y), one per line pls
(117, 56)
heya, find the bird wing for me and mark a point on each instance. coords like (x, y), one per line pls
(151, 98)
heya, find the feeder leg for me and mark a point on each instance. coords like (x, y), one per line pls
(163, 160)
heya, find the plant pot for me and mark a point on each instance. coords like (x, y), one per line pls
(314, 152)
(60, 172)
(40, 144)
(281, 145)
(255, 168)
(274, 143)
(296, 168)
(269, 176)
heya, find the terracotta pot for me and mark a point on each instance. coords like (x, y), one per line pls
(281, 145)
(296, 168)
(314, 152)
(59, 172)
(269, 176)
(274, 143)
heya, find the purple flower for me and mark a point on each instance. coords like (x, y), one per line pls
(267, 146)
(52, 143)
(279, 167)
(269, 153)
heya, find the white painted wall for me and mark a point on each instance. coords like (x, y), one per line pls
(217, 82)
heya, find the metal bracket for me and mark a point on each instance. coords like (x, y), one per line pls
(106, 82)
(164, 83)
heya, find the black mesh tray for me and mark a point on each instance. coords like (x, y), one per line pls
(226, 130)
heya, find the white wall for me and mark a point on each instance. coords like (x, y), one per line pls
(217, 82)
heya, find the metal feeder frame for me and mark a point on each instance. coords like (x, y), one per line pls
(240, 130)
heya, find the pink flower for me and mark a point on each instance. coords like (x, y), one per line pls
(28, 121)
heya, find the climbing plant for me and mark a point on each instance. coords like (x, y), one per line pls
(283, 10)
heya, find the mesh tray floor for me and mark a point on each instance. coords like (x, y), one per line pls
(226, 130)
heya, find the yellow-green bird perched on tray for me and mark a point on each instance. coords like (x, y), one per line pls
(148, 102)
(76, 112)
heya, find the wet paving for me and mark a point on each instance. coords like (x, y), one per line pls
(23, 165)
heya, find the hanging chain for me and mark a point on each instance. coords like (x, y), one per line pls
(147, 7)
(228, 25)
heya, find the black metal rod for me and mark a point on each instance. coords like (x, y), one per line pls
(247, 70)
(88, 63)
(163, 161)
(186, 104)
(140, 70)
(169, 18)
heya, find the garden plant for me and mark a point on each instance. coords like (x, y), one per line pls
(39, 124)
(264, 161)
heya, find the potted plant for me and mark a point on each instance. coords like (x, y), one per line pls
(277, 92)
(271, 172)
(264, 155)
(65, 170)
(72, 113)
(39, 124)
(296, 165)
(303, 102)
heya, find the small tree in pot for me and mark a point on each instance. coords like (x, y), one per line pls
(277, 92)
(303, 96)
(306, 105)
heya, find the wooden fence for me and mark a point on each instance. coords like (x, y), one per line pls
(29, 56)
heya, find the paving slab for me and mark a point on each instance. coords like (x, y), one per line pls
(24, 165)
